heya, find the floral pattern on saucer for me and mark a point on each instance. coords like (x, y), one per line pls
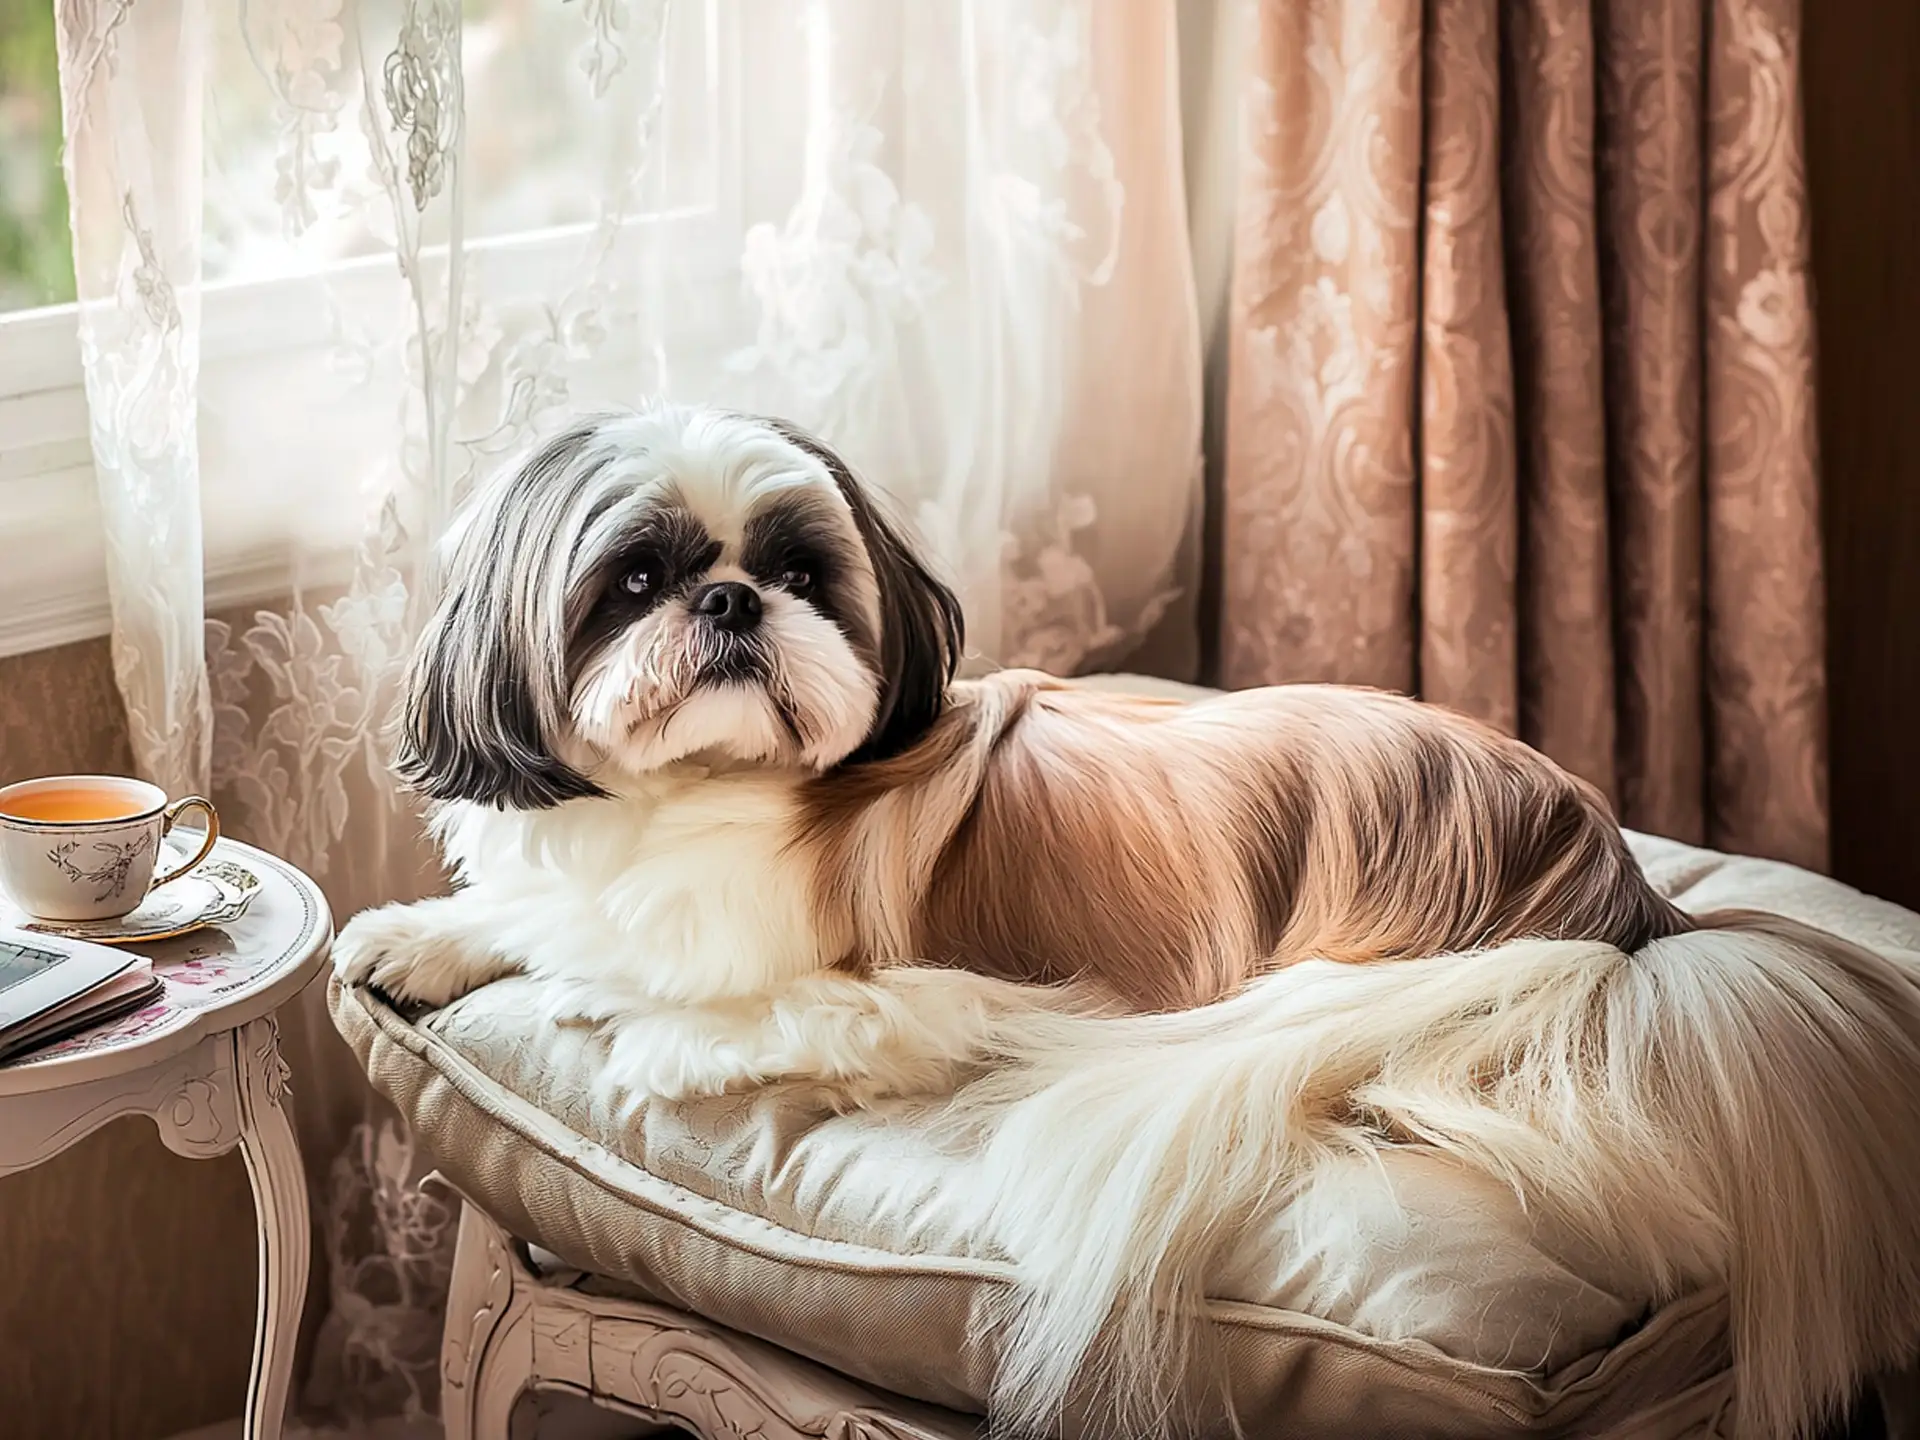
(214, 894)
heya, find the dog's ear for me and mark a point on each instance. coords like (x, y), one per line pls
(922, 631)
(922, 634)
(486, 688)
(471, 728)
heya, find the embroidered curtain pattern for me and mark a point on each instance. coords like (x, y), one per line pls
(1520, 410)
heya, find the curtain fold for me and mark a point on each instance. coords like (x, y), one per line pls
(1318, 503)
(1765, 599)
(1468, 521)
(1520, 402)
(131, 92)
(1564, 587)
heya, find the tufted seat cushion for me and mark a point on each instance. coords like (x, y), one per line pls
(1411, 1299)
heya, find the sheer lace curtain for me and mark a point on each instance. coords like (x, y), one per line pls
(339, 259)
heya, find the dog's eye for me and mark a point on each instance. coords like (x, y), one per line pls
(640, 580)
(797, 580)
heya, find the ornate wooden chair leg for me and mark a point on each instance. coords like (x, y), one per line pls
(511, 1333)
(486, 1353)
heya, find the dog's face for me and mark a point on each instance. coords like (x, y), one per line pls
(649, 588)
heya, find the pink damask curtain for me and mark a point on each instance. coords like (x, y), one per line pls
(1520, 392)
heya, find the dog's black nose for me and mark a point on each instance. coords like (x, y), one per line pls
(730, 606)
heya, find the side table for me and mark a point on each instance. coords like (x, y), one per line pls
(203, 1060)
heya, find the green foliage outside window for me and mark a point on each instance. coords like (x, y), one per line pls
(36, 252)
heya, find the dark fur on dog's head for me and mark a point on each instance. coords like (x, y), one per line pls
(922, 630)
(652, 587)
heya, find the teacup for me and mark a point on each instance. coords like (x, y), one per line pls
(83, 847)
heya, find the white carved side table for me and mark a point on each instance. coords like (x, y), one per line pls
(204, 1061)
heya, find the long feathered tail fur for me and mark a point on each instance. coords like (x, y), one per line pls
(1737, 1103)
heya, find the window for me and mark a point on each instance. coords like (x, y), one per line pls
(298, 267)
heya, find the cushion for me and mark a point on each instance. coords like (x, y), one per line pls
(1412, 1298)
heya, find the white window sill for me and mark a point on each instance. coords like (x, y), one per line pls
(53, 586)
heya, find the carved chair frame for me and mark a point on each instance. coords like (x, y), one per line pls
(512, 1331)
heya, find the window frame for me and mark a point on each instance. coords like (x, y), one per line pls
(53, 590)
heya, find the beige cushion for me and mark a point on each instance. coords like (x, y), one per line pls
(1423, 1303)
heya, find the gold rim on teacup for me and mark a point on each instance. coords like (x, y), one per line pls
(83, 847)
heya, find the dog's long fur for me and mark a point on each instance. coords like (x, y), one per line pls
(1201, 949)
(1171, 851)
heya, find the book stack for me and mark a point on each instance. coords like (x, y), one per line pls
(51, 987)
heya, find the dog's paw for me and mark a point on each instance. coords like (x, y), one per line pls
(679, 1078)
(676, 1055)
(395, 951)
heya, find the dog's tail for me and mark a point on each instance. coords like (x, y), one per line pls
(1739, 1102)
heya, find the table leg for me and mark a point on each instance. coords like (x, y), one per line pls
(280, 1206)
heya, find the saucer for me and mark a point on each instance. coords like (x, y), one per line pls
(216, 893)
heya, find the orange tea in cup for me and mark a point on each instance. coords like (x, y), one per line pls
(72, 806)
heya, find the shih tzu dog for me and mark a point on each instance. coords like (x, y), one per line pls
(688, 718)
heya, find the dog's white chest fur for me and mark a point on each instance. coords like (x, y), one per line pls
(680, 889)
(679, 911)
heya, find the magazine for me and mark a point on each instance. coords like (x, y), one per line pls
(51, 988)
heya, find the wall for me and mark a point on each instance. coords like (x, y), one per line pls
(126, 1271)
(1861, 68)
